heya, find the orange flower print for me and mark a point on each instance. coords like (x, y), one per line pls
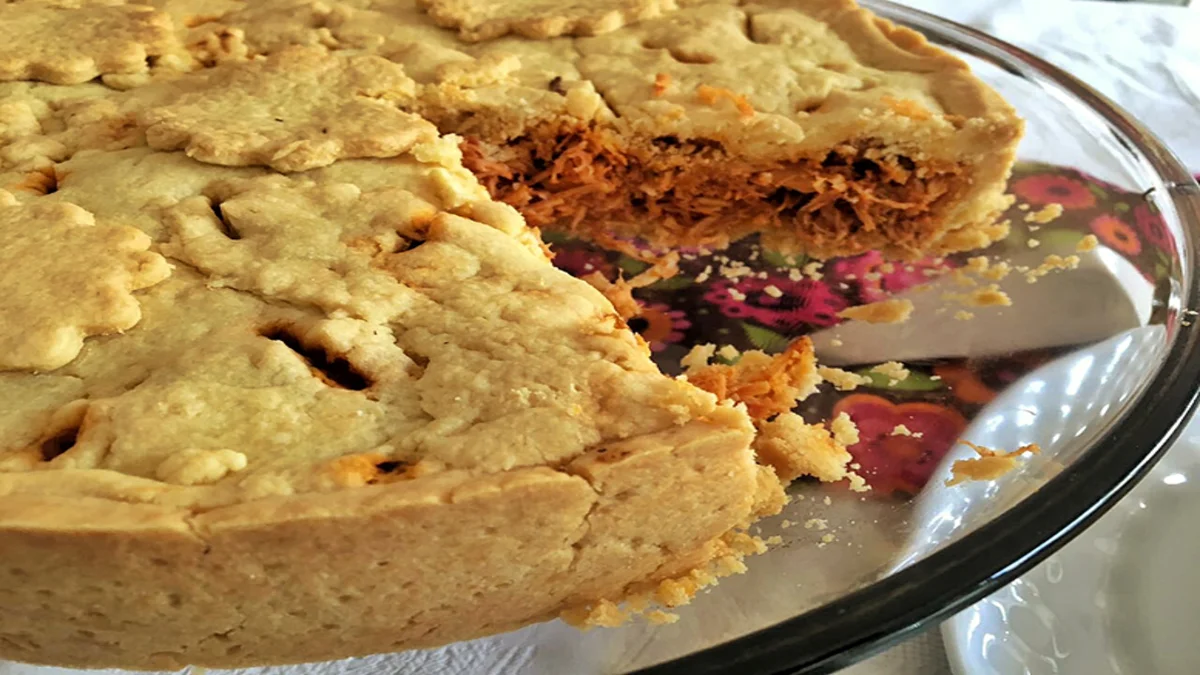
(965, 384)
(1117, 234)
(659, 325)
(1154, 228)
(1051, 189)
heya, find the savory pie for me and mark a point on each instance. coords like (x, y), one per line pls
(286, 373)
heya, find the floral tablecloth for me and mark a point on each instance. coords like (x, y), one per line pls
(770, 302)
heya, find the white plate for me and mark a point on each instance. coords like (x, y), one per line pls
(1122, 598)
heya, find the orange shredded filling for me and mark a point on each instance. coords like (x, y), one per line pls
(588, 182)
(767, 385)
(620, 292)
(662, 82)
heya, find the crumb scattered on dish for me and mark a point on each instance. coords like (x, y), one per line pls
(894, 310)
(893, 370)
(842, 380)
(989, 465)
(1047, 214)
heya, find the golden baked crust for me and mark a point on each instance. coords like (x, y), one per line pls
(67, 42)
(282, 375)
(370, 357)
(827, 128)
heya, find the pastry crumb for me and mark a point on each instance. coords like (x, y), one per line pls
(893, 370)
(1050, 264)
(842, 380)
(732, 548)
(773, 291)
(1088, 243)
(964, 315)
(729, 352)
(989, 465)
(1048, 214)
(988, 296)
(997, 271)
(795, 448)
(659, 617)
(884, 311)
(978, 264)
(698, 357)
(845, 432)
(836, 343)
(858, 483)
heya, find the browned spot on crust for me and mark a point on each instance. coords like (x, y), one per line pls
(662, 82)
(711, 95)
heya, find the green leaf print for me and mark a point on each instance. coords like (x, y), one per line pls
(673, 284)
(1059, 238)
(631, 266)
(765, 338)
(552, 237)
(777, 259)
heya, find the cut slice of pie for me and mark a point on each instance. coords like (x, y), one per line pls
(286, 377)
(829, 130)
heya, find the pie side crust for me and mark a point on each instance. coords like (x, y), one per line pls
(258, 583)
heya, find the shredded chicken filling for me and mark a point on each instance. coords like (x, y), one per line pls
(588, 181)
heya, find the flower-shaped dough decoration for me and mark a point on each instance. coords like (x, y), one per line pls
(66, 277)
(478, 20)
(74, 44)
(298, 109)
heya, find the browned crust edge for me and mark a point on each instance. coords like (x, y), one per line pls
(376, 569)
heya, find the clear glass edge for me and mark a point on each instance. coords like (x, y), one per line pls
(831, 637)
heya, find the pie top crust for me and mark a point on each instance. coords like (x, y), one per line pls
(261, 282)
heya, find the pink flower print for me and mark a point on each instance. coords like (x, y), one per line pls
(865, 274)
(1054, 189)
(790, 304)
(579, 262)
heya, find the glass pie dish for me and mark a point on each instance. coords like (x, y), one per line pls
(1096, 365)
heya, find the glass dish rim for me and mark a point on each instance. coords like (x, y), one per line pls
(840, 633)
